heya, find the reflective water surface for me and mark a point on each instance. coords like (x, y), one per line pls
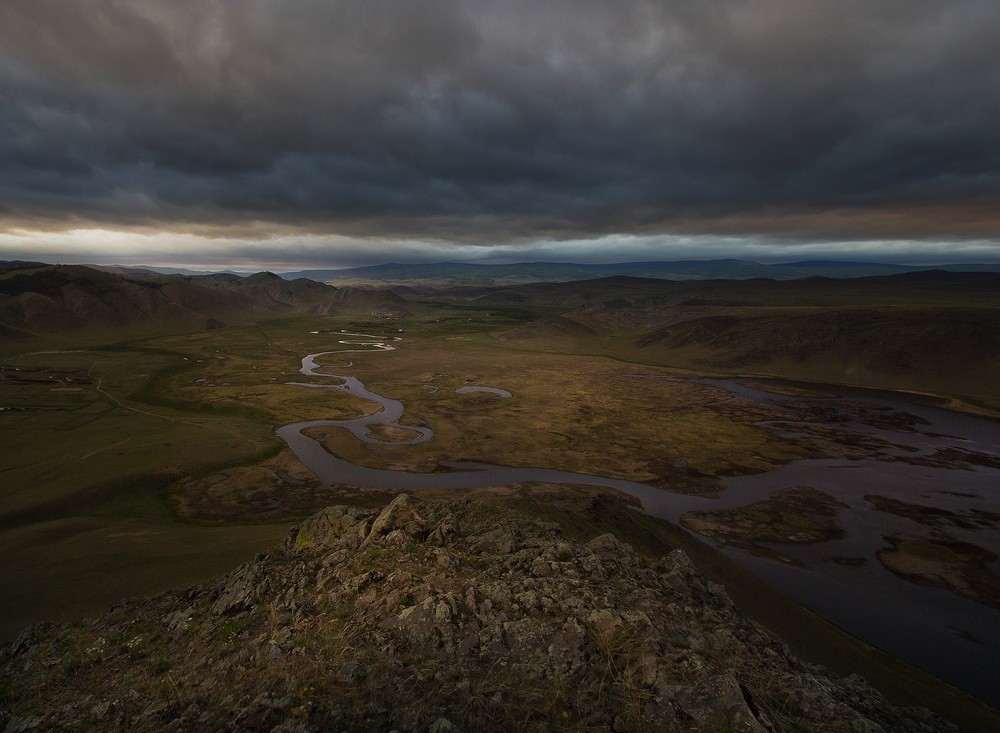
(951, 637)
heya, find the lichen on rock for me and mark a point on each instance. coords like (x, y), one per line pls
(437, 613)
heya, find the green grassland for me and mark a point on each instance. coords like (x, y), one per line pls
(109, 447)
(97, 441)
(137, 466)
(169, 439)
(86, 516)
(592, 415)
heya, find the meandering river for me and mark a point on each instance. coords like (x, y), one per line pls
(953, 638)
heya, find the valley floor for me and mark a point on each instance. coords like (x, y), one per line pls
(143, 466)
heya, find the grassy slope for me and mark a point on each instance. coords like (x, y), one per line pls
(86, 474)
(84, 485)
(914, 349)
(76, 305)
(932, 333)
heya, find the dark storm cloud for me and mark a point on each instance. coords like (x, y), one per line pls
(501, 121)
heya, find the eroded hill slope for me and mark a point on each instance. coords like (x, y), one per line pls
(40, 300)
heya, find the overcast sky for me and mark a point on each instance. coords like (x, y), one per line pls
(293, 133)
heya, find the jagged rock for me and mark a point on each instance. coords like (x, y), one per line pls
(329, 526)
(358, 625)
(444, 532)
(567, 649)
(607, 545)
(242, 588)
(22, 725)
(179, 621)
(26, 640)
(718, 703)
(496, 541)
(446, 560)
(398, 523)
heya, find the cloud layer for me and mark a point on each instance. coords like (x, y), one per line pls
(484, 123)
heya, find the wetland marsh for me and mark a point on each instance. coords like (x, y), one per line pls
(201, 475)
(836, 544)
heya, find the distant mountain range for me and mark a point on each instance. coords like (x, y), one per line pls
(929, 288)
(38, 299)
(446, 274)
(932, 331)
(149, 269)
(460, 273)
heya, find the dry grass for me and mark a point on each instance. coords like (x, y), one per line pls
(589, 415)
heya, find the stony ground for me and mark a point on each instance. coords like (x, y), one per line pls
(437, 613)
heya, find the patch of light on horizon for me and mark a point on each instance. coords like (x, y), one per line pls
(318, 251)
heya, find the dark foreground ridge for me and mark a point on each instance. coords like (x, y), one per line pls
(437, 613)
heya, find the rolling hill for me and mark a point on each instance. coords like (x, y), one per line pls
(926, 288)
(443, 274)
(926, 331)
(38, 300)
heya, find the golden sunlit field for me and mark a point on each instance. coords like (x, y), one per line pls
(155, 453)
(158, 456)
(149, 464)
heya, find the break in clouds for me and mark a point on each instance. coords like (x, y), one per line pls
(474, 123)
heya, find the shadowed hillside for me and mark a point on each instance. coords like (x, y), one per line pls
(922, 289)
(63, 297)
(949, 346)
(540, 609)
(382, 302)
(41, 300)
(443, 274)
(927, 331)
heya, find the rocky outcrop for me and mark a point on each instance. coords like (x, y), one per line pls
(435, 614)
